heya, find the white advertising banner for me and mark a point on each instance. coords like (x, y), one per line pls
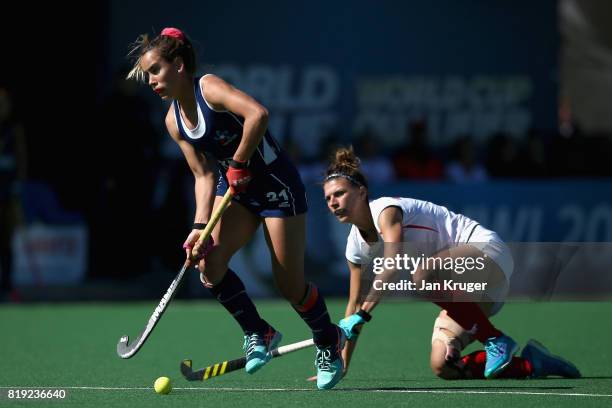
(50, 255)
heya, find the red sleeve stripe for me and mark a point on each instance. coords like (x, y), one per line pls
(418, 227)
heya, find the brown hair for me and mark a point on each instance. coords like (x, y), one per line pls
(345, 164)
(169, 48)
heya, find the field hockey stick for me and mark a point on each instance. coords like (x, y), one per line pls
(125, 350)
(225, 367)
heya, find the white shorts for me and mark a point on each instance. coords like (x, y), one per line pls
(493, 247)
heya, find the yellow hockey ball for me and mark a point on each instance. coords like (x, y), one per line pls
(162, 385)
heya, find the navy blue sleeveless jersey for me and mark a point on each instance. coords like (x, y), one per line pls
(276, 189)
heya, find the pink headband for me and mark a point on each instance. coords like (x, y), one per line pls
(174, 33)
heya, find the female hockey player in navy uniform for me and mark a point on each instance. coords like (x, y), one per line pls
(223, 135)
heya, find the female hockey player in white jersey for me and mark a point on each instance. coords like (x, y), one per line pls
(401, 220)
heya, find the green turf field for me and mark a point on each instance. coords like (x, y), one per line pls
(72, 346)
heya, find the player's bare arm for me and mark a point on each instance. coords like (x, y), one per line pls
(390, 223)
(353, 303)
(223, 96)
(352, 306)
(200, 167)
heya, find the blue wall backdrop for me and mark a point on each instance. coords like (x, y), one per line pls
(466, 67)
(548, 211)
(519, 211)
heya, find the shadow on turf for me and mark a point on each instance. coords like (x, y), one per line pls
(452, 388)
(595, 378)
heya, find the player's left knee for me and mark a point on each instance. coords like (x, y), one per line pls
(447, 342)
(437, 366)
(440, 368)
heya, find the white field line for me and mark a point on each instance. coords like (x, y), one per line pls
(374, 390)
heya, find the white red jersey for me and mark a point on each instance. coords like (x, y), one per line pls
(434, 226)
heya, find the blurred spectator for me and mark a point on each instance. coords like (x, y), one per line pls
(581, 155)
(13, 162)
(566, 121)
(294, 151)
(124, 167)
(465, 168)
(568, 157)
(532, 159)
(41, 205)
(415, 160)
(313, 172)
(375, 166)
(501, 156)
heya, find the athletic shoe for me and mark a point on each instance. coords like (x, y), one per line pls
(499, 354)
(329, 364)
(258, 347)
(544, 363)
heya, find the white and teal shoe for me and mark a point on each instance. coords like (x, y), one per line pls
(499, 354)
(329, 364)
(544, 363)
(257, 348)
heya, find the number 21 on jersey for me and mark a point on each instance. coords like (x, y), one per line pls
(280, 196)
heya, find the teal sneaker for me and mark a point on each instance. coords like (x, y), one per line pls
(544, 363)
(329, 364)
(499, 354)
(258, 347)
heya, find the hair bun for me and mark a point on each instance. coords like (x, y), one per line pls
(345, 157)
(344, 163)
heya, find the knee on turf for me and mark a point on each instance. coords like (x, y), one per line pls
(437, 361)
(447, 342)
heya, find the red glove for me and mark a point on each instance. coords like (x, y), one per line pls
(238, 176)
